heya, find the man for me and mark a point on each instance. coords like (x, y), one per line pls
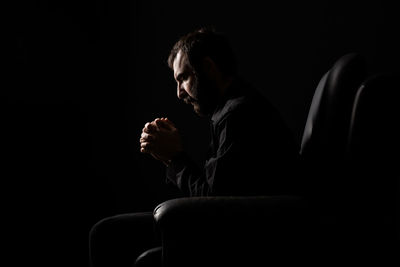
(251, 149)
(250, 153)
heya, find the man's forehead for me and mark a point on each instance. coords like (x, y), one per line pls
(180, 63)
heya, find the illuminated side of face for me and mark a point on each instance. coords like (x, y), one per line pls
(193, 88)
(185, 80)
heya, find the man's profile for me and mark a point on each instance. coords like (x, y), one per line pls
(251, 145)
(252, 151)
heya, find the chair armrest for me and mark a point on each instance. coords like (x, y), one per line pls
(223, 207)
(230, 228)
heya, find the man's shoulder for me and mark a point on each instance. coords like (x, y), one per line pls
(246, 102)
(231, 107)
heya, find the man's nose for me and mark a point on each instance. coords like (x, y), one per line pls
(180, 91)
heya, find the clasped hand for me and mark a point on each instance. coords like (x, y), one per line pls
(161, 139)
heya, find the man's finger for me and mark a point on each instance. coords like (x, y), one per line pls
(145, 147)
(149, 127)
(170, 122)
(146, 137)
(165, 124)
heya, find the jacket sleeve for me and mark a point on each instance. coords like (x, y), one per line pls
(187, 176)
(219, 175)
(247, 161)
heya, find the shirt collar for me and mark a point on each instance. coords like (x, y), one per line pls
(233, 91)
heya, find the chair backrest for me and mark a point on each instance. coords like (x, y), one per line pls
(374, 156)
(324, 142)
(326, 130)
(373, 134)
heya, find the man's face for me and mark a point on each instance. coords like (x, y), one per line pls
(192, 88)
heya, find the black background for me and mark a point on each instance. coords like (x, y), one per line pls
(85, 76)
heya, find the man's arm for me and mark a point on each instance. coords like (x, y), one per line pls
(187, 176)
(161, 139)
(224, 170)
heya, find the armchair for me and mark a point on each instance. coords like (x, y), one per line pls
(233, 231)
(270, 230)
(373, 152)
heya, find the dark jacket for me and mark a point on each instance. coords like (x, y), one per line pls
(252, 151)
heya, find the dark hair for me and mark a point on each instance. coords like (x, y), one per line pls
(202, 43)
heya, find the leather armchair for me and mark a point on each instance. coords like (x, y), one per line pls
(373, 154)
(232, 231)
(324, 143)
(265, 230)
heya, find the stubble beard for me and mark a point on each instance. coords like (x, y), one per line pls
(205, 99)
